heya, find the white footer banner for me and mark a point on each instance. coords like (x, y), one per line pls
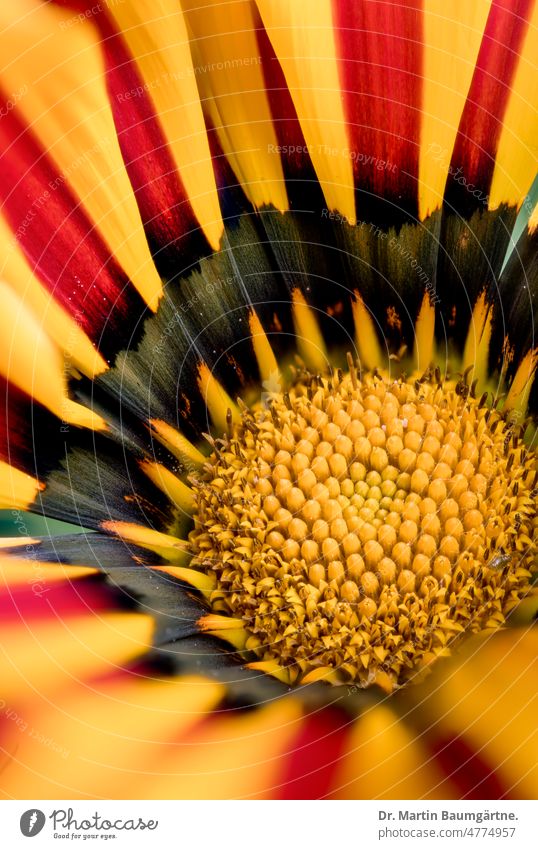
(269, 825)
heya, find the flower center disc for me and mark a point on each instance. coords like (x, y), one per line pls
(359, 527)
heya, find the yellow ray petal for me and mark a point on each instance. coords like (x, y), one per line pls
(476, 351)
(213, 622)
(156, 34)
(216, 398)
(60, 326)
(18, 490)
(424, 335)
(517, 399)
(370, 353)
(310, 342)
(31, 361)
(39, 656)
(177, 444)
(303, 40)
(231, 84)
(489, 697)
(386, 760)
(453, 32)
(169, 547)
(14, 571)
(179, 493)
(111, 740)
(265, 357)
(515, 164)
(66, 104)
(203, 582)
(18, 542)
(237, 637)
(232, 757)
(271, 667)
(322, 673)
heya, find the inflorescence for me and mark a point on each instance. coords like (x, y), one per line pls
(358, 526)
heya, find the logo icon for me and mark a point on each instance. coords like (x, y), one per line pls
(32, 822)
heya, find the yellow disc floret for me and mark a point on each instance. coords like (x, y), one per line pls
(360, 527)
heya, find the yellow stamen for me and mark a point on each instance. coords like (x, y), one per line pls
(476, 352)
(272, 668)
(201, 581)
(213, 622)
(216, 398)
(370, 353)
(178, 492)
(265, 357)
(169, 547)
(237, 637)
(322, 673)
(424, 335)
(309, 339)
(517, 399)
(177, 444)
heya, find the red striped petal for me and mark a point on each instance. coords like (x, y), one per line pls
(474, 778)
(475, 149)
(173, 232)
(381, 75)
(296, 162)
(311, 766)
(41, 599)
(61, 243)
(15, 417)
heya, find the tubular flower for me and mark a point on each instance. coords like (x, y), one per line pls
(268, 280)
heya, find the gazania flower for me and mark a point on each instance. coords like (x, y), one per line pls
(269, 281)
